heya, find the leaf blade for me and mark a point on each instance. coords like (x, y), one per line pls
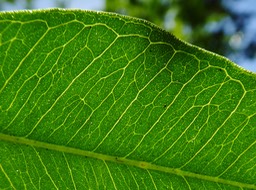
(160, 104)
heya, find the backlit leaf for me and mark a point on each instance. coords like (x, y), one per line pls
(93, 100)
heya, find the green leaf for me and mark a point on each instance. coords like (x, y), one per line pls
(93, 100)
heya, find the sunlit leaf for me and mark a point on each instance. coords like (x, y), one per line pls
(93, 100)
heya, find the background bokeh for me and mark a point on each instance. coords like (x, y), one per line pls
(227, 27)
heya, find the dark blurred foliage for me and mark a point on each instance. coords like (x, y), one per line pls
(197, 13)
(151, 10)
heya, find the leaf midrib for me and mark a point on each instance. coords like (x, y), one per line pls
(120, 160)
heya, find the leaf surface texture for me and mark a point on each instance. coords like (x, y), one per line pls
(93, 100)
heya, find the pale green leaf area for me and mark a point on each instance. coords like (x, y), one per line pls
(93, 100)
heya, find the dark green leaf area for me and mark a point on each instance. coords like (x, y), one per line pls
(95, 99)
(26, 164)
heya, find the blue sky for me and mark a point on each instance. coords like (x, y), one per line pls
(40, 4)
